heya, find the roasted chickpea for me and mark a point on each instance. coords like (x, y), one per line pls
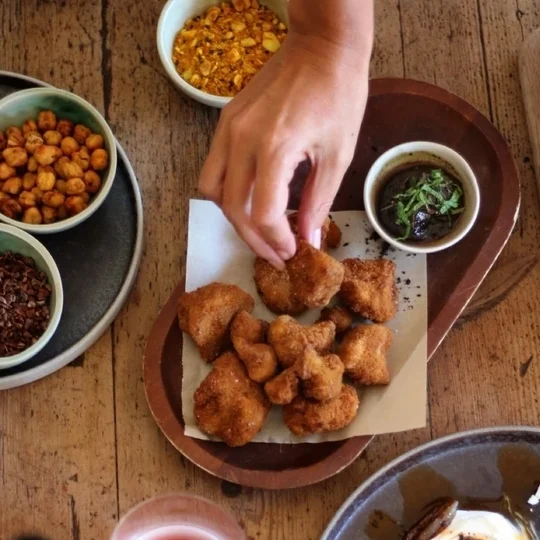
(27, 199)
(75, 186)
(6, 171)
(10, 207)
(80, 133)
(59, 166)
(75, 204)
(47, 155)
(61, 212)
(49, 214)
(28, 126)
(33, 141)
(61, 186)
(13, 130)
(65, 127)
(99, 159)
(16, 138)
(86, 197)
(13, 186)
(92, 181)
(15, 157)
(53, 199)
(69, 145)
(52, 137)
(32, 216)
(29, 180)
(94, 141)
(46, 178)
(82, 158)
(3, 141)
(3, 195)
(38, 193)
(32, 164)
(46, 120)
(72, 170)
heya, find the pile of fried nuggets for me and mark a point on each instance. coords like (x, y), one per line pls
(257, 364)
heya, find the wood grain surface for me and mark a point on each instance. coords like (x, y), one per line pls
(80, 447)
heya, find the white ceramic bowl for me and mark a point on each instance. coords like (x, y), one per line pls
(18, 107)
(17, 241)
(434, 154)
(172, 20)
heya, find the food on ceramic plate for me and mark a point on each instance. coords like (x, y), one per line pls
(307, 417)
(315, 276)
(220, 51)
(421, 202)
(248, 336)
(290, 339)
(25, 295)
(274, 288)
(446, 521)
(228, 404)
(363, 353)
(340, 316)
(46, 174)
(283, 388)
(369, 288)
(206, 315)
(330, 232)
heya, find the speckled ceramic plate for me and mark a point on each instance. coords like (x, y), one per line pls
(476, 468)
(98, 262)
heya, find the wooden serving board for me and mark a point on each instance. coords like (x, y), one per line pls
(398, 111)
(529, 70)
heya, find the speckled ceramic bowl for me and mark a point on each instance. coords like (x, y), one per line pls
(17, 241)
(18, 107)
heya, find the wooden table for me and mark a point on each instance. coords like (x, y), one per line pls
(80, 448)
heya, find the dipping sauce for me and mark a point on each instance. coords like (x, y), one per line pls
(420, 203)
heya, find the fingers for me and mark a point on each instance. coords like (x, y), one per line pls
(319, 194)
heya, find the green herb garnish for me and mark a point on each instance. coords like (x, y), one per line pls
(432, 192)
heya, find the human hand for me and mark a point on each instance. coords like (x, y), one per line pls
(306, 103)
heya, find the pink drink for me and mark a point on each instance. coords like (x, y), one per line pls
(177, 517)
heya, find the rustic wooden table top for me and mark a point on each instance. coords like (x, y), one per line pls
(80, 448)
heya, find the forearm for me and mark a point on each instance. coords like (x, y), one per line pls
(346, 26)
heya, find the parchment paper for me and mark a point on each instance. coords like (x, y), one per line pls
(215, 253)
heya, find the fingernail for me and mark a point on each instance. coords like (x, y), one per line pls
(284, 255)
(315, 239)
(277, 263)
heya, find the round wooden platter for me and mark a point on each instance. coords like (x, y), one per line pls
(398, 111)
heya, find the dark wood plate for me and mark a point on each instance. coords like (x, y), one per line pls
(398, 111)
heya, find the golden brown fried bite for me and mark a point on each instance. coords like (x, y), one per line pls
(314, 275)
(321, 376)
(340, 316)
(363, 353)
(369, 288)
(274, 288)
(330, 232)
(290, 338)
(228, 404)
(248, 336)
(306, 417)
(206, 315)
(283, 388)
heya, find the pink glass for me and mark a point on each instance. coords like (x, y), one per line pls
(177, 517)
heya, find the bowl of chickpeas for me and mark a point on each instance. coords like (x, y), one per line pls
(57, 160)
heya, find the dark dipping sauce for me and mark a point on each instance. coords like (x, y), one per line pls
(420, 203)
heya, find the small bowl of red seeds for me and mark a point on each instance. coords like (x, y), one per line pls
(31, 296)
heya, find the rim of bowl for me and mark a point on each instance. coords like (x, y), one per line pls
(30, 352)
(422, 147)
(165, 57)
(107, 181)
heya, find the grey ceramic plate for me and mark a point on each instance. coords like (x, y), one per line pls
(98, 261)
(475, 467)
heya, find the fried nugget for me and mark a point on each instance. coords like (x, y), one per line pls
(314, 275)
(321, 376)
(306, 417)
(206, 314)
(248, 336)
(363, 353)
(228, 404)
(330, 232)
(369, 288)
(274, 288)
(290, 338)
(340, 316)
(283, 388)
